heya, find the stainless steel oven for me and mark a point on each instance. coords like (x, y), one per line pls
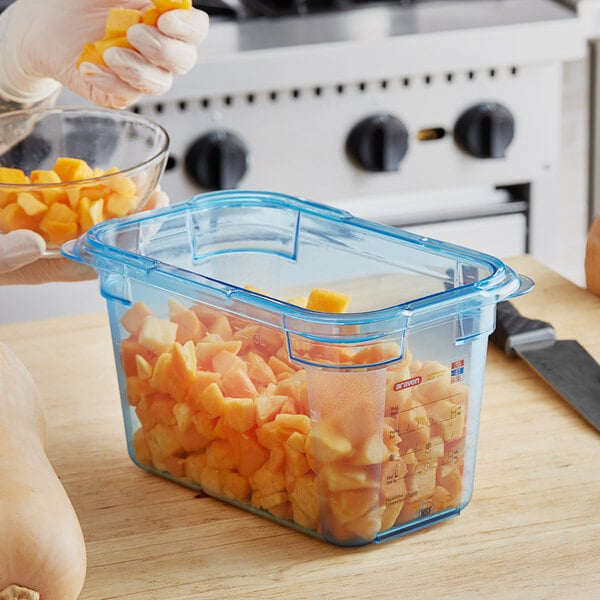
(439, 116)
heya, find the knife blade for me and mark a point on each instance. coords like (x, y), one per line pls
(564, 364)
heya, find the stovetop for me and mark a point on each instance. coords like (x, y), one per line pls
(250, 9)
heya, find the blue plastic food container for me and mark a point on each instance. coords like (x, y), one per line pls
(355, 426)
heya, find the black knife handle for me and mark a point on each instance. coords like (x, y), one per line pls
(514, 330)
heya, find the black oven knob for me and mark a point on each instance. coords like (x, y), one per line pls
(485, 130)
(378, 143)
(217, 160)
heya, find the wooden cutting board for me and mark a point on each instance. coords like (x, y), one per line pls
(532, 529)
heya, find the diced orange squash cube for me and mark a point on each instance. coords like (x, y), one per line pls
(222, 431)
(183, 415)
(122, 185)
(413, 426)
(161, 373)
(157, 334)
(377, 353)
(13, 175)
(205, 425)
(259, 370)
(234, 485)
(236, 383)
(268, 340)
(222, 327)
(163, 442)
(211, 345)
(130, 348)
(7, 196)
(267, 482)
(238, 413)
(219, 455)
(103, 45)
(295, 386)
(73, 196)
(212, 400)
(189, 327)
(210, 480)
(143, 367)
(133, 319)
(150, 16)
(277, 457)
(202, 379)
(338, 478)
(267, 406)
(450, 478)
(192, 440)
(60, 232)
(421, 483)
(364, 527)
(206, 314)
(225, 361)
(352, 504)
(279, 366)
(448, 419)
(165, 5)
(141, 448)
(175, 465)
(282, 511)
(296, 463)
(327, 301)
(161, 406)
(57, 216)
(118, 205)
(119, 20)
(270, 435)
(270, 501)
(252, 455)
(91, 212)
(289, 423)
(328, 444)
(30, 204)
(136, 389)
(431, 451)
(14, 217)
(44, 176)
(94, 191)
(305, 501)
(372, 452)
(194, 463)
(297, 441)
(72, 169)
(442, 499)
(90, 54)
(183, 364)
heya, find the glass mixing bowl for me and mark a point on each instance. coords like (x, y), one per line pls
(64, 169)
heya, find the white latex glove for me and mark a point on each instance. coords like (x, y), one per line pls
(21, 262)
(41, 40)
(21, 253)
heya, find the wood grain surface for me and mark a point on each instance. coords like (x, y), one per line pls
(532, 529)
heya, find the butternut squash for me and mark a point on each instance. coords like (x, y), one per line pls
(42, 549)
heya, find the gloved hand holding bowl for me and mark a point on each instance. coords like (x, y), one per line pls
(41, 44)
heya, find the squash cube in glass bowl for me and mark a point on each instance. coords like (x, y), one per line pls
(65, 169)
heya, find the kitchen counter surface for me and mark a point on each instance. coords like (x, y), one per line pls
(532, 529)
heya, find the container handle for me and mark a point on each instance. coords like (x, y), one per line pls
(68, 250)
(526, 284)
